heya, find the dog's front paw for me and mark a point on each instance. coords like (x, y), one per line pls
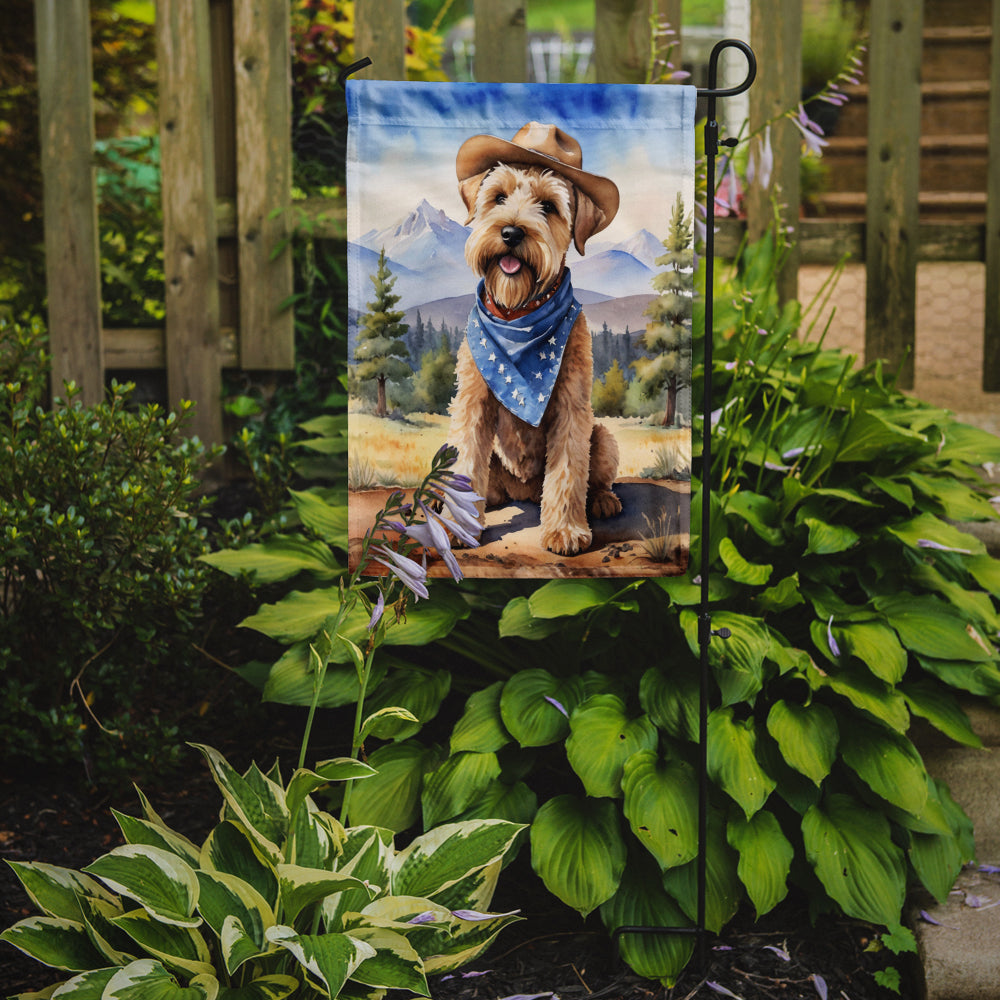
(605, 504)
(566, 540)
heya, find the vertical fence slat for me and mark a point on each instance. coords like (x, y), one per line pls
(776, 34)
(621, 40)
(261, 58)
(380, 34)
(72, 257)
(893, 183)
(501, 41)
(991, 332)
(190, 253)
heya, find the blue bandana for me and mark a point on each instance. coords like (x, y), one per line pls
(520, 358)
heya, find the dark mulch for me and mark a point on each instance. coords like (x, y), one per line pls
(551, 951)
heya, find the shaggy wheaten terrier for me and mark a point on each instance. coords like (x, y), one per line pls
(521, 416)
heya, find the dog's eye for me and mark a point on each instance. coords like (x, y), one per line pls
(500, 198)
(548, 208)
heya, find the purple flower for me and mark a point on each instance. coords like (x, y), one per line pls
(475, 915)
(811, 132)
(377, 612)
(719, 988)
(558, 705)
(761, 162)
(927, 543)
(461, 503)
(427, 917)
(780, 952)
(820, 983)
(831, 642)
(410, 574)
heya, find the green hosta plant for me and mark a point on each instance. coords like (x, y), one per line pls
(279, 900)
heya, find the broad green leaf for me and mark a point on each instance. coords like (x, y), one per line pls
(976, 678)
(163, 884)
(941, 709)
(330, 959)
(937, 860)
(301, 887)
(274, 987)
(738, 661)
(517, 620)
(260, 809)
(888, 763)
(783, 595)
(292, 681)
(391, 798)
(972, 445)
(56, 891)
(828, 539)
(456, 784)
(850, 848)
(758, 511)
(418, 690)
(530, 706)
(578, 851)
(231, 850)
(279, 558)
(142, 831)
(723, 889)
(327, 520)
(869, 436)
(671, 699)
(516, 803)
(147, 979)
(601, 739)
(640, 901)
(732, 760)
(560, 598)
(976, 605)
(866, 692)
(893, 488)
(765, 858)
(481, 728)
(807, 736)
(225, 897)
(876, 646)
(928, 528)
(441, 857)
(54, 941)
(180, 948)
(395, 964)
(739, 569)
(661, 799)
(932, 628)
(986, 571)
(956, 500)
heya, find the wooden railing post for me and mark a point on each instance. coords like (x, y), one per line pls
(991, 332)
(72, 255)
(190, 251)
(893, 183)
(776, 35)
(501, 41)
(621, 40)
(380, 34)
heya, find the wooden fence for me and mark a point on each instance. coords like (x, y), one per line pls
(226, 160)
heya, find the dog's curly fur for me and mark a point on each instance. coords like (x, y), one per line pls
(568, 463)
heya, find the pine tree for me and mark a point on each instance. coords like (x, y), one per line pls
(608, 398)
(381, 347)
(667, 338)
(434, 382)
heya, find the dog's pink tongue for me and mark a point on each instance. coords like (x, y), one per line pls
(510, 264)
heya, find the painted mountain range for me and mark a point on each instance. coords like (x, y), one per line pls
(426, 253)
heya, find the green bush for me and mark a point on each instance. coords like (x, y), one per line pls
(101, 584)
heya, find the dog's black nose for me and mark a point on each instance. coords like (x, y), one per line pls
(512, 235)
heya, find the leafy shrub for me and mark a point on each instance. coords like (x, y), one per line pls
(99, 539)
(280, 899)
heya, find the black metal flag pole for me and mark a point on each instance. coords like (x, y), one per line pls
(705, 631)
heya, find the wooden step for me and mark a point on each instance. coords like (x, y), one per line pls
(958, 206)
(945, 12)
(956, 53)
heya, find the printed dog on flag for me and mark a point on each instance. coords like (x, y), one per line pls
(521, 417)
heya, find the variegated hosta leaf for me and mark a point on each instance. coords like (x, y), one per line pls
(158, 880)
(87, 986)
(765, 858)
(807, 736)
(441, 857)
(476, 890)
(850, 847)
(328, 959)
(578, 851)
(54, 941)
(56, 891)
(116, 947)
(275, 987)
(732, 760)
(661, 800)
(304, 782)
(642, 902)
(367, 853)
(481, 727)
(301, 887)
(395, 964)
(417, 690)
(141, 831)
(602, 737)
(177, 947)
(256, 801)
(468, 939)
(230, 849)
(225, 897)
(456, 784)
(535, 706)
(315, 838)
(149, 980)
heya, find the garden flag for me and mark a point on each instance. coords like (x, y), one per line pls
(520, 275)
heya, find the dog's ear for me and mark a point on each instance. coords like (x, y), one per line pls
(587, 220)
(468, 189)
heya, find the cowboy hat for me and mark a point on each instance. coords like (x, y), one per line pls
(540, 145)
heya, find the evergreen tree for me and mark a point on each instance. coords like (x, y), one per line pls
(417, 340)
(434, 382)
(381, 346)
(608, 398)
(668, 334)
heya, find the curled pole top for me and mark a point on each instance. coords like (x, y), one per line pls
(712, 90)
